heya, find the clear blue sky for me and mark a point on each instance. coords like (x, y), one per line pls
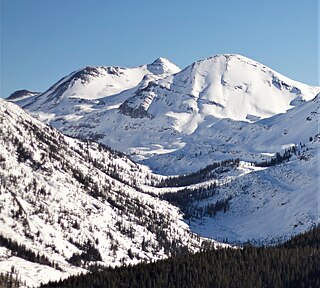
(43, 40)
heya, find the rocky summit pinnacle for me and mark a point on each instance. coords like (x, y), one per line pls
(162, 65)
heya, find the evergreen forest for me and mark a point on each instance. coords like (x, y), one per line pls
(295, 263)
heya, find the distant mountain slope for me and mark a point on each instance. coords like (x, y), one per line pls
(76, 204)
(177, 121)
(94, 82)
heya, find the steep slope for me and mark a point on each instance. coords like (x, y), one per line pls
(76, 204)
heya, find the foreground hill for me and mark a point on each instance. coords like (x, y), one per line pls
(66, 204)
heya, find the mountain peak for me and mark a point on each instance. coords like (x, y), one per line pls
(163, 65)
(21, 94)
(161, 60)
(229, 57)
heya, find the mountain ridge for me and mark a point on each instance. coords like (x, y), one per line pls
(160, 115)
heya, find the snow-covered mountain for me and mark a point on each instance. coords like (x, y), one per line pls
(167, 120)
(92, 83)
(224, 86)
(76, 202)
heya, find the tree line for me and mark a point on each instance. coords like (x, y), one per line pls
(199, 176)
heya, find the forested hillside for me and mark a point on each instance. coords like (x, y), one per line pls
(295, 263)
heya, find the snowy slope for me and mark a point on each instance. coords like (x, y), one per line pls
(226, 139)
(261, 204)
(60, 196)
(267, 205)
